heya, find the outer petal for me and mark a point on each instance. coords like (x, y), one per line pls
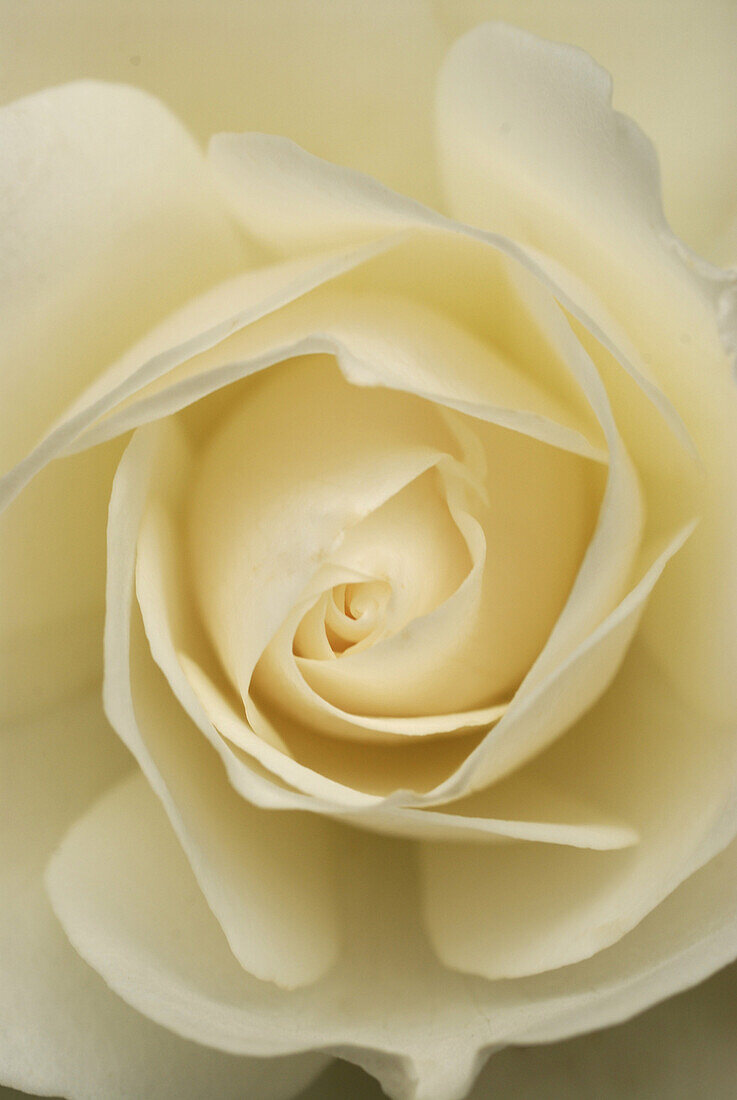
(649, 758)
(673, 68)
(63, 1032)
(679, 1050)
(388, 1006)
(529, 145)
(293, 200)
(352, 81)
(108, 221)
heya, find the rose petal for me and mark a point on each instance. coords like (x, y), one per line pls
(352, 207)
(160, 585)
(349, 451)
(597, 624)
(266, 509)
(680, 95)
(483, 638)
(64, 1033)
(174, 633)
(119, 209)
(108, 222)
(651, 566)
(531, 146)
(521, 910)
(379, 339)
(194, 329)
(523, 812)
(264, 177)
(136, 914)
(350, 181)
(388, 1006)
(271, 895)
(431, 561)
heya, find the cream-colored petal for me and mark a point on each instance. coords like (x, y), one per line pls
(537, 718)
(266, 509)
(558, 818)
(351, 83)
(673, 72)
(524, 807)
(478, 645)
(107, 229)
(295, 202)
(422, 1030)
(200, 325)
(272, 896)
(64, 1033)
(656, 763)
(726, 245)
(595, 628)
(279, 191)
(165, 606)
(562, 178)
(362, 199)
(431, 563)
(546, 160)
(264, 176)
(53, 603)
(137, 916)
(249, 735)
(620, 531)
(379, 339)
(250, 509)
(116, 225)
(357, 208)
(177, 644)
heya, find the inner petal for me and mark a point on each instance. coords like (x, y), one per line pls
(303, 460)
(447, 547)
(466, 642)
(350, 615)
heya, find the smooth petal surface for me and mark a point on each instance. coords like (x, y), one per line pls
(678, 1050)
(108, 222)
(64, 1033)
(579, 182)
(388, 1006)
(270, 889)
(344, 483)
(176, 640)
(352, 83)
(312, 306)
(361, 209)
(264, 176)
(654, 762)
(672, 63)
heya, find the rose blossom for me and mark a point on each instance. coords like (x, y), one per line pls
(407, 501)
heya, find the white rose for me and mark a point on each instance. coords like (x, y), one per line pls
(411, 516)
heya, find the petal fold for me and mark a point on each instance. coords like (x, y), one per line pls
(64, 1032)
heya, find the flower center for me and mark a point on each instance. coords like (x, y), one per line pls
(347, 617)
(354, 612)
